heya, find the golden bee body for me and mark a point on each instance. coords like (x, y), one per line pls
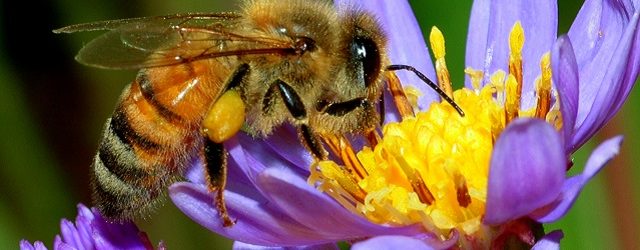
(292, 61)
(152, 135)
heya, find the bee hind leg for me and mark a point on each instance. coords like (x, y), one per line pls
(215, 156)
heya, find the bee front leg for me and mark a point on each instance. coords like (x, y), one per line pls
(215, 161)
(294, 104)
(346, 107)
(343, 108)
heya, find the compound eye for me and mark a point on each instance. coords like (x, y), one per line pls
(366, 57)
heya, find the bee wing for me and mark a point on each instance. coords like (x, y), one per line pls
(168, 40)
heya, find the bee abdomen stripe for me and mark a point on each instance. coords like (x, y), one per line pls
(115, 197)
(118, 158)
(110, 182)
(105, 196)
(120, 126)
(147, 91)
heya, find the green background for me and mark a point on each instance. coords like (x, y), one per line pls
(52, 110)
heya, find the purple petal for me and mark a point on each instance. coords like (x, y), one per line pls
(404, 242)
(573, 186)
(488, 36)
(116, 235)
(26, 245)
(565, 77)
(238, 160)
(92, 231)
(83, 224)
(69, 233)
(549, 241)
(526, 172)
(258, 222)
(245, 246)
(58, 244)
(293, 195)
(251, 158)
(609, 58)
(406, 46)
(285, 142)
(391, 243)
(477, 53)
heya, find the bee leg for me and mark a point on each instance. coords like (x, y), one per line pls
(215, 163)
(294, 104)
(343, 108)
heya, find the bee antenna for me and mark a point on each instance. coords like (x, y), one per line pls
(428, 82)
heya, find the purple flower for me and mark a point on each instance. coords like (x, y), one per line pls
(440, 180)
(597, 60)
(92, 231)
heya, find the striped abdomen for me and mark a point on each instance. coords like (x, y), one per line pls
(153, 134)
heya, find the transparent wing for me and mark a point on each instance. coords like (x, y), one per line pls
(173, 39)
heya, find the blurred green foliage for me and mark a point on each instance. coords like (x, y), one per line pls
(42, 177)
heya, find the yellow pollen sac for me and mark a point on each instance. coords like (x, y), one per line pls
(437, 44)
(225, 118)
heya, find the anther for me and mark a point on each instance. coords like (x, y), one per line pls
(417, 183)
(462, 192)
(342, 148)
(516, 42)
(344, 179)
(543, 88)
(437, 46)
(475, 76)
(497, 82)
(399, 96)
(512, 103)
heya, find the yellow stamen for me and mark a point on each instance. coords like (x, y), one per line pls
(417, 183)
(543, 87)
(342, 148)
(430, 169)
(475, 76)
(516, 42)
(343, 178)
(497, 84)
(554, 117)
(399, 97)
(412, 94)
(511, 104)
(437, 45)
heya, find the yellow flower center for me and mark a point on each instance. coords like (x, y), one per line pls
(433, 168)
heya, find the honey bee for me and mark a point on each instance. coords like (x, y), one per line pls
(203, 77)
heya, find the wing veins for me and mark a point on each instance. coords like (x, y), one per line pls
(115, 24)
